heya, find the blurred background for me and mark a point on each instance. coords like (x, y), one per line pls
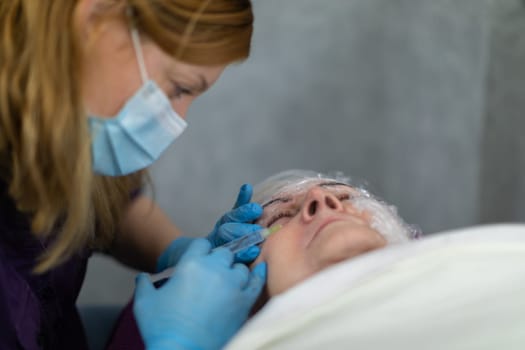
(423, 99)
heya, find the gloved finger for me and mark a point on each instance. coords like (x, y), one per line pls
(245, 213)
(172, 253)
(256, 282)
(198, 247)
(244, 196)
(247, 255)
(143, 287)
(233, 230)
(222, 256)
(241, 275)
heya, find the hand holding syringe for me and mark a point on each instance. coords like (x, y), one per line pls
(235, 246)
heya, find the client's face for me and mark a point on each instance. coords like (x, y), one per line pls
(321, 226)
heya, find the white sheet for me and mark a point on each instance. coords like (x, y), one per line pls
(461, 289)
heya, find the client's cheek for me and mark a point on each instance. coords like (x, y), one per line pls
(345, 243)
(266, 247)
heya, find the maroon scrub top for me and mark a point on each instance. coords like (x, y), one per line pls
(36, 311)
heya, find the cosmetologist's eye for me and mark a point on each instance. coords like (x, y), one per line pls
(179, 91)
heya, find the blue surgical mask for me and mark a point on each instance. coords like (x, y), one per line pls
(139, 133)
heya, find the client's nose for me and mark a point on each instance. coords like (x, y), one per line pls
(318, 200)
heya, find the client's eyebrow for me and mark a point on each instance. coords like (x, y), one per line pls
(280, 199)
(333, 183)
(323, 184)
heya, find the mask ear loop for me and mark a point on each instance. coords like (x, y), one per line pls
(138, 49)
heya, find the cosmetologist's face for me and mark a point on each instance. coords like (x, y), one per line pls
(110, 70)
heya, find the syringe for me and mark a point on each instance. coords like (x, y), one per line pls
(249, 240)
(235, 246)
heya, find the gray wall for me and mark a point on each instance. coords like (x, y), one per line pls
(421, 98)
(502, 167)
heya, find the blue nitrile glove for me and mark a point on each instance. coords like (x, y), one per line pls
(237, 223)
(172, 254)
(231, 225)
(202, 305)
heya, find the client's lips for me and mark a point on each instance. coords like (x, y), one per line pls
(321, 227)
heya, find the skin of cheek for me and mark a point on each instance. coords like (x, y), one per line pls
(164, 70)
(290, 262)
(158, 65)
(110, 72)
(341, 241)
(285, 257)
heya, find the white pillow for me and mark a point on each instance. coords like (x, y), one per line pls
(460, 289)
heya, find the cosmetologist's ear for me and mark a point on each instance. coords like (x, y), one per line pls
(83, 17)
(88, 13)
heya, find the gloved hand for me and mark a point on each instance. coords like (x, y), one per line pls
(236, 223)
(202, 305)
(231, 225)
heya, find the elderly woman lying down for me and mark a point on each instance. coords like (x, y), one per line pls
(343, 270)
(325, 220)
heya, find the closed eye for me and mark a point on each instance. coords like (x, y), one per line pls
(290, 214)
(178, 91)
(345, 197)
(279, 216)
